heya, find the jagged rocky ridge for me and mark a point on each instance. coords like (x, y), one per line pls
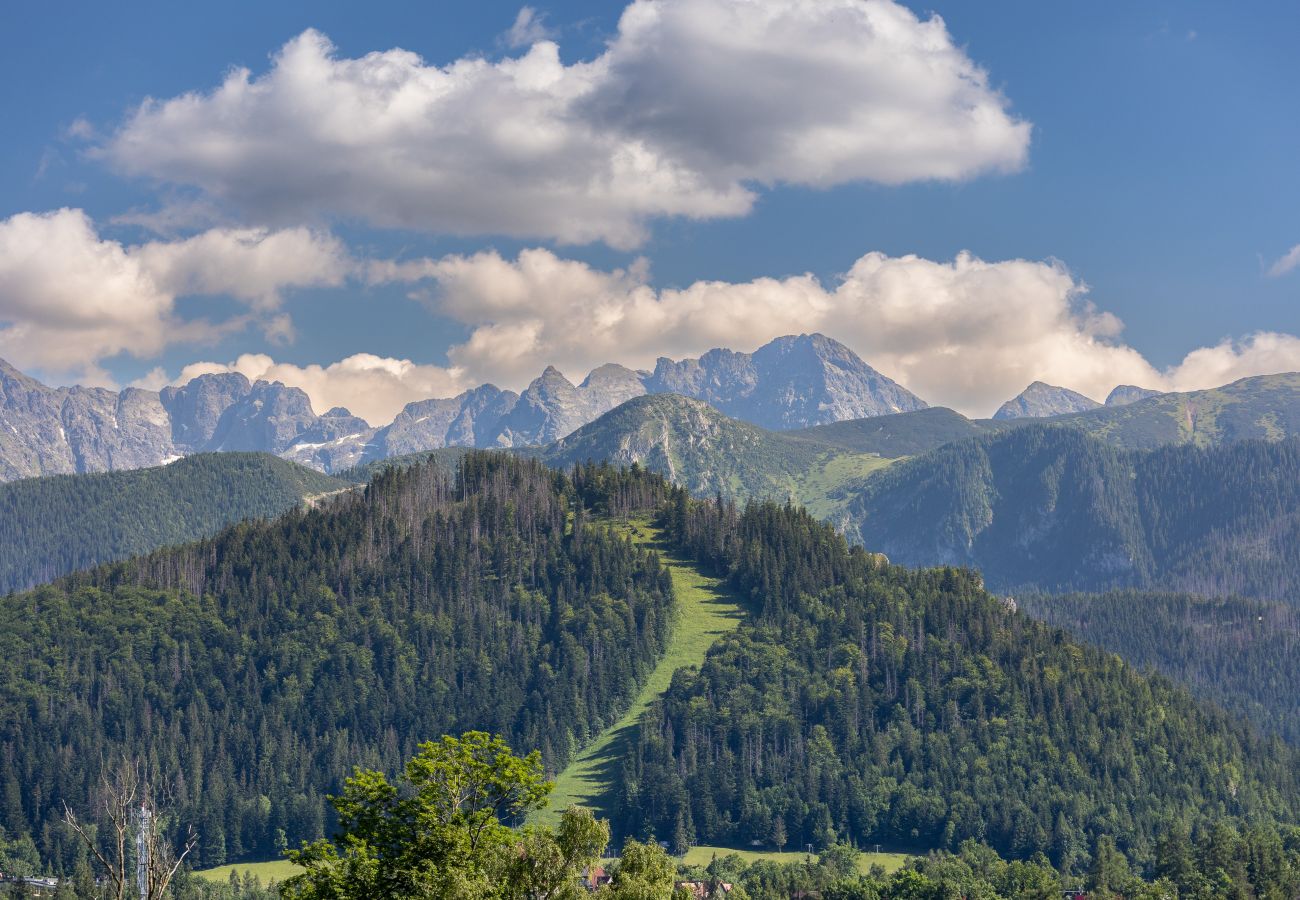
(791, 382)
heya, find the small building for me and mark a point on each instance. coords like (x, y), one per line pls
(705, 890)
(595, 877)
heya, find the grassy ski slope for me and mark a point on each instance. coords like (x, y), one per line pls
(707, 611)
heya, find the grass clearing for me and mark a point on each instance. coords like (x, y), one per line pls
(830, 475)
(271, 870)
(707, 610)
(702, 856)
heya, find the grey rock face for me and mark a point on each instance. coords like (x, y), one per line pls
(552, 406)
(1128, 393)
(471, 419)
(791, 382)
(48, 431)
(107, 430)
(549, 408)
(334, 441)
(1040, 400)
(270, 418)
(196, 407)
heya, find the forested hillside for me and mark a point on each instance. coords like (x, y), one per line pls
(252, 670)
(879, 704)
(1048, 507)
(1242, 654)
(55, 525)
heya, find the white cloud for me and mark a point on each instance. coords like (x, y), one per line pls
(966, 333)
(70, 298)
(693, 104)
(1288, 262)
(1262, 353)
(372, 387)
(252, 264)
(529, 28)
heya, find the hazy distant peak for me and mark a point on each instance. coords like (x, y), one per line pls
(1041, 400)
(1125, 394)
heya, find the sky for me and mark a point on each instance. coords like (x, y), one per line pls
(386, 203)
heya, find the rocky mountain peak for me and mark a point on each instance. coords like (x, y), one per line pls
(1041, 400)
(1125, 394)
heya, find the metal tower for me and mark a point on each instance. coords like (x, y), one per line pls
(142, 845)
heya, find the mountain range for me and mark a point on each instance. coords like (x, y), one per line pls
(791, 382)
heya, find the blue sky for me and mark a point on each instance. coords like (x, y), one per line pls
(1160, 174)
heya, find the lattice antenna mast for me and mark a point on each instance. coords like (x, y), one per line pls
(142, 847)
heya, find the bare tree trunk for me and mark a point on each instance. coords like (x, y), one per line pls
(136, 821)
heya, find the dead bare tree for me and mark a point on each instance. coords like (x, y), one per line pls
(127, 805)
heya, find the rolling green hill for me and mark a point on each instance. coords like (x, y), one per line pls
(902, 434)
(54, 525)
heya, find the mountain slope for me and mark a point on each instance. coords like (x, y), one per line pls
(871, 703)
(1267, 406)
(1055, 509)
(708, 610)
(692, 444)
(54, 525)
(902, 434)
(1242, 654)
(254, 668)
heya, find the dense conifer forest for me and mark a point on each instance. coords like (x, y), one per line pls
(911, 708)
(252, 670)
(1242, 654)
(55, 525)
(1048, 507)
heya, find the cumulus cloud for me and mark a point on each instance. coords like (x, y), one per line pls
(692, 107)
(70, 298)
(252, 264)
(372, 387)
(966, 333)
(1288, 262)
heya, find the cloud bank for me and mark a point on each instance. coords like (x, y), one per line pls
(693, 106)
(70, 298)
(966, 333)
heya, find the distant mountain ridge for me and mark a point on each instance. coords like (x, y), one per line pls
(1050, 508)
(792, 382)
(55, 525)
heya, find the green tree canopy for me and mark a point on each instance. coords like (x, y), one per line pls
(443, 831)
